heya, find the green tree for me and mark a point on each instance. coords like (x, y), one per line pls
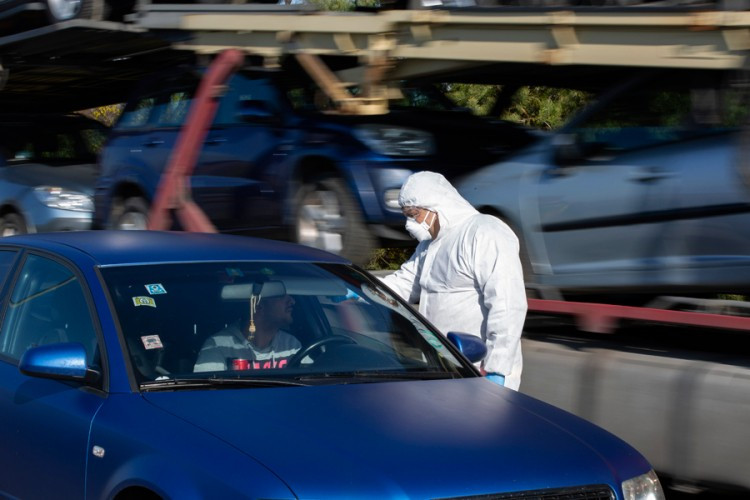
(545, 108)
(339, 5)
(105, 114)
(388, 258)
(479, 98)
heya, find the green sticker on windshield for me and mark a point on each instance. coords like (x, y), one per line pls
(431, 338)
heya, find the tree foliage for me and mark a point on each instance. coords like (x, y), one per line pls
(388, 258)
(544, 108)
(105, 114)
(337, 5)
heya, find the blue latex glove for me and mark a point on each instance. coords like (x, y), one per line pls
(497, 378)
(349, 296)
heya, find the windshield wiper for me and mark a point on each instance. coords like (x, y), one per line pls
(360, 376)
(195, 383)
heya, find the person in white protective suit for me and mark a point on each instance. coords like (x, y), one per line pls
(465, 272)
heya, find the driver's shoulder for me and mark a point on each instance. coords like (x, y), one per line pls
(286, 340)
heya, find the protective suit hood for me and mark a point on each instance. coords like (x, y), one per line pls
(432, 191)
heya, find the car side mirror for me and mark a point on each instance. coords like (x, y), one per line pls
(256, 111)
(567, 150)
(470, 346)
(60, 361)
(570, 150)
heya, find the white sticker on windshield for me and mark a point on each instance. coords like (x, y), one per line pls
(155, 289)
(152, 342)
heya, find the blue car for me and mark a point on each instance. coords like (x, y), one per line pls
(47, 171)
(106, 390)
(278, 163)
(18, 15)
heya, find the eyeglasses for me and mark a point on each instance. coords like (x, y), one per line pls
(411, 212)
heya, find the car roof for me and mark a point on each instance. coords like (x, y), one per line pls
(108, 248)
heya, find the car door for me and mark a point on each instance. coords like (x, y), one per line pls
(236, 178)
(138, 149)
(44, 423)
(705, 227)
(627, 180)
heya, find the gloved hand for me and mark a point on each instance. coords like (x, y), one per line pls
(350, 295)
(497, 378)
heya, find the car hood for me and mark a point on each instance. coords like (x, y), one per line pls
(421, 439)
(79, 177)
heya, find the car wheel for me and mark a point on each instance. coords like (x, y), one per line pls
(64, 10)
(329, 218)
(131, 215)
(11, 224)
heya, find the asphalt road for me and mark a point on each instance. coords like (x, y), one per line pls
(677, 345)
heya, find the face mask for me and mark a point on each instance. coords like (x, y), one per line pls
(420, 231)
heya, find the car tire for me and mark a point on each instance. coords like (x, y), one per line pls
(65, 10)
(11, 224)
(328, 217)
(132, 214)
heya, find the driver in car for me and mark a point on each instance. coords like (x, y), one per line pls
(262, 344)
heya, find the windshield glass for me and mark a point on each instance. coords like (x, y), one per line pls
(51, 143)
(280, 322)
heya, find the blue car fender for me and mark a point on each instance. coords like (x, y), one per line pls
(169, 457)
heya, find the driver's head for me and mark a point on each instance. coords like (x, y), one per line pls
(275, 312)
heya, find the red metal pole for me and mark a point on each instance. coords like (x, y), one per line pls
(173, 192)
(603, 318)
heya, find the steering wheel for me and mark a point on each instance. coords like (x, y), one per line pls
(300, 355)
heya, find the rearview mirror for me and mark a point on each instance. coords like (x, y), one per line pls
(243, 291)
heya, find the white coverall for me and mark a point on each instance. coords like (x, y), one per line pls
(469, 278)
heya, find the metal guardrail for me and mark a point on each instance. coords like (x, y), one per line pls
(604, 318)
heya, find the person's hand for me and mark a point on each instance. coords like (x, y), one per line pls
(497, 378)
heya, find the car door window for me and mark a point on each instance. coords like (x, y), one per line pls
(654, 114)
(7, 257)
(137, 114)
(246, 89)
(174, 110)
(47, 305)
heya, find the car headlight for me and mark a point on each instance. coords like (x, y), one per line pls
(643, 487)
(395, 141)
(57, 197)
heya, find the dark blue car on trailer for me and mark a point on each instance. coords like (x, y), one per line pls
(278, 162)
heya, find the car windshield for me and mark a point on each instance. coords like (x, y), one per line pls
(235, 323)
(407, 96)
(58, 143)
